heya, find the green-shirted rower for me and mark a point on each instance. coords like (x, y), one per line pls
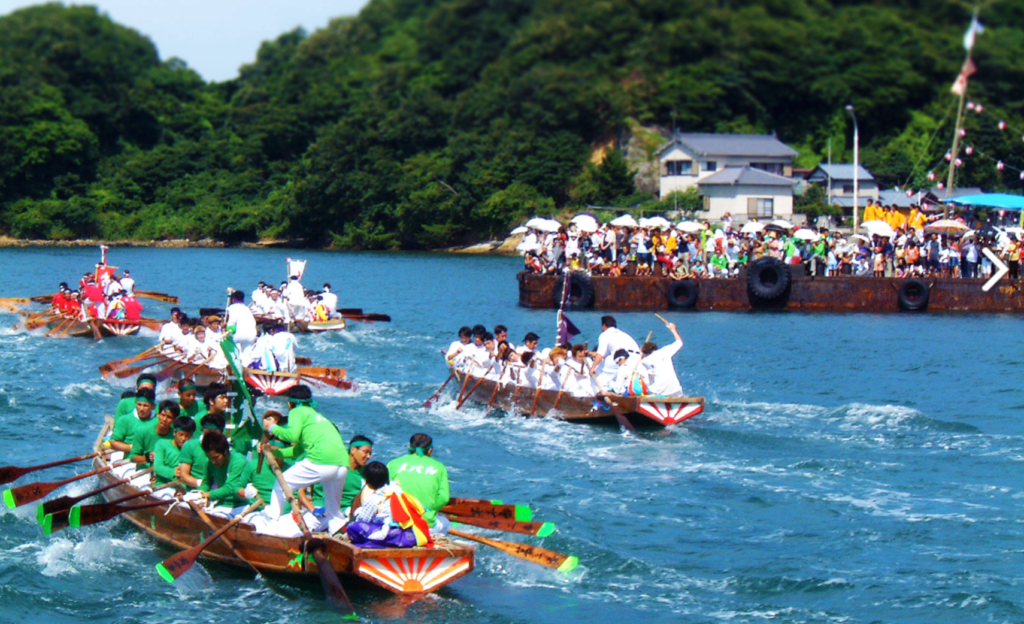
(127, 402)
(325, 462)
(222, 479)
(165, 460)
(123, 435)
(261, 482)
(187, 400)
(148, 433)
(425, 478)
(192, 460)
(360, 450)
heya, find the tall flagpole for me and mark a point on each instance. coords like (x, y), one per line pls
(951, 178)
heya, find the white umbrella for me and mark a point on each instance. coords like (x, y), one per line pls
(586, 223)
(968, 234)
(550, 225)
(859, 237)
(880, 228)
(536, 223)
(624, 221)
(690, 226)
(782, 223)
(522, 229)
(751, 227)
(806, 234)
(659, 222)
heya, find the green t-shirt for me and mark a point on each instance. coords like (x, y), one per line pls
(124, 406)
(165, 461)
(196, 411)
(125, 426)
(353, 485)
(315, 436)
(146, 438)
(264, 482)
(424, 478)
(192, 453)
(223, 482)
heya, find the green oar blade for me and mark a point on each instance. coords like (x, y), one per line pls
(164, 574)
(571, 563)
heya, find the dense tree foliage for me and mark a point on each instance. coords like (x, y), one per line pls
(421, 123)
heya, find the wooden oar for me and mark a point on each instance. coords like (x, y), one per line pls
(535, 554)
(10, 473)
(135, 370)
(153, 324)
(497, 385)
(22, 495)
(367, 318)
(157, 296)
(67, 502)
(43, 318)
(426, 405)
(462, 391)
(540, 529)
(94, 325)
(330, 376)
(42, 299)
(456, 500)
(15, 300)
(86, 515)
(206, 520)
(63, 325)
(113, 365)
(475, 386)
(165, 373)
(519, 513)
(174, 566)
(336, 595)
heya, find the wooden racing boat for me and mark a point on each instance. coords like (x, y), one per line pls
(407, 571)
(640, 410)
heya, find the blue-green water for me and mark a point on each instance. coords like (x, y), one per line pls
(848, 468)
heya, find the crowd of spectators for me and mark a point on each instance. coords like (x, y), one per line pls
(893, 244)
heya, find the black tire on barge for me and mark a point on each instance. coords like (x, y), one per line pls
(581, 291)
(683, 294)
(768, 283)
(913, 296)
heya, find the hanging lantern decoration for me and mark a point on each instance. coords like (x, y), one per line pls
(969, 150)
(1000, 166)
(910, 193)
(970, 106)
(958, 162)
(978, 109)
(1002, 125)
(1022, 175)
(931, 176)
(963, 132)
(949, 156)
(940, 186)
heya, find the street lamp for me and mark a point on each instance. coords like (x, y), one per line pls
(856, 168)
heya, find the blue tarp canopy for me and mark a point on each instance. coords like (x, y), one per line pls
(992, 200)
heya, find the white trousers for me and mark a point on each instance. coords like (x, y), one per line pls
(306, 473)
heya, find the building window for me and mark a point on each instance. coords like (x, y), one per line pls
(848, 189)
(775, 168)
(678, 167)
(765, 208)
(711, 165)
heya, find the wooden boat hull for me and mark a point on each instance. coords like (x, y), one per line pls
(412, 571)
(646, 410)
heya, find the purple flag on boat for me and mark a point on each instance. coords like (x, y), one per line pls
(566, 330)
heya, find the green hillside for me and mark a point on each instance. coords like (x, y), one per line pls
(425, 123)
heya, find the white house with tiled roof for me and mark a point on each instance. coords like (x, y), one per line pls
(746, 175)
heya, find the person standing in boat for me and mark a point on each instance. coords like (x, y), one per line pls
(326, 461)
(663, 380)
(611, 340)
(425, 478)
(330, 300)
(241, 319)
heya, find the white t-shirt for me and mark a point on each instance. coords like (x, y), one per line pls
(171, 333)
(663, 378)
(245, 323)
(610, 341)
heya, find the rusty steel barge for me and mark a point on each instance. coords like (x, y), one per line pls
(770, 285)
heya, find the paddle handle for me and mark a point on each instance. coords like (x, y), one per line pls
(534, 554)
(434, 396)
(10, 473)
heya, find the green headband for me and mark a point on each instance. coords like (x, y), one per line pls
(187, 387)
(177, 429)
(359, 443)
(419, 450)
(144, 400)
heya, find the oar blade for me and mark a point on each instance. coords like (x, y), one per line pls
(535, 554)
(54, 522)
(519, 513)
(10, 473)
(25, 494)
(174, 566)
(335, 593)
(540, 529)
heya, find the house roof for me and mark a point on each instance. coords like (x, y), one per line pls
(940, 194)
(840, 172)
(847, 202)
(746, 175)
(899, 199)
(707, 144)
